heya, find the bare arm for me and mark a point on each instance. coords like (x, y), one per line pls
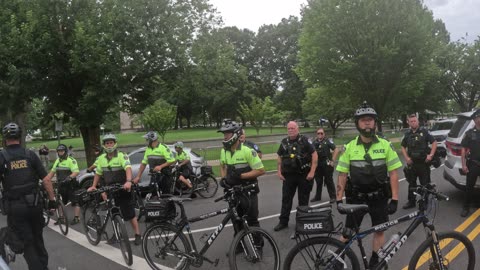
(394, 184)
(405, 155)
(47, 184)
(252, 174)
(342, 182)
(223, 170)
(335, 156)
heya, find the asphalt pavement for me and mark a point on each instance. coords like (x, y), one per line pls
(73, 251)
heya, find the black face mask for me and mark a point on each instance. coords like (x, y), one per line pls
(367, 132)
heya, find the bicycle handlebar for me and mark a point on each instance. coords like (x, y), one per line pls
(430, 189)
(109, 189)
(236, 189)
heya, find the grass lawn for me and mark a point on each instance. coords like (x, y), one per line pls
(172, 136)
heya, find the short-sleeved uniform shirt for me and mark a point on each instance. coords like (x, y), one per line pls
(158, 155)
(252, 145)
(113, 170)
(417, 142)
(64, 167)
(324, 149)
(182, 157)
(471, 140)
(368, 172)
(243, 159)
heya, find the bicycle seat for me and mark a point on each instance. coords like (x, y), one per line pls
(352, 208)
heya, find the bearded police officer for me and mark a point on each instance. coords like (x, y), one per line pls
(369, 159)
(20, 171)
(114, 166)
(324, 173)
(471, 160)
(159, 158)
(66, 169)
(418, 156)
(240, 165)
(297, 162)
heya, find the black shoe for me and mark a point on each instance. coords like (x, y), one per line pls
(280, 226)
(138, 240)
(193, 196)
(315, 199)
(409, 204)
(112, 240)
(74, 221)
(465, 212)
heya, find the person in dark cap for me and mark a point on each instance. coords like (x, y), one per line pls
(471, 160)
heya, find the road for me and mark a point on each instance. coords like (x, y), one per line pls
(74, 252)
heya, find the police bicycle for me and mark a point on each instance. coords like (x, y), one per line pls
(204, 184)
(97, 213)
(441, 250)
(165, 245)
(60, 212)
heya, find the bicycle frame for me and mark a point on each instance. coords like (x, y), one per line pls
(112, 210)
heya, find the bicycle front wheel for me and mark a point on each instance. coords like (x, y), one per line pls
(92, 224)
(319, 253)
(456, 249)
(254, 249)
(121, 231)
(165, 247)
(62, 217)
(207, 186)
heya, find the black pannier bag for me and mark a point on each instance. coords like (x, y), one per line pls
(206, 170)
(314, 220)
(160, 210)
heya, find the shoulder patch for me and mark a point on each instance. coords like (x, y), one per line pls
(254, 153)
(255, 147)
(330, 140)
(74, 161)
(344, 148)
(391, 146)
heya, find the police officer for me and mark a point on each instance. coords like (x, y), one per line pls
(250, 144)
(324, 173)
(19, 172)
(66, 169)
(471, 160)
(418, 156)
(159, 158)
(369, 159)
(297, 162)
(115, 168)
(183, 164)
(240, 165)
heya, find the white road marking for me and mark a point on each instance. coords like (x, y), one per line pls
(107, 251)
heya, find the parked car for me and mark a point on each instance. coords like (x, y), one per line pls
(86, 179)
(440, 131)
(453, 163)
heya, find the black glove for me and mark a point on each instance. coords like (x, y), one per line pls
(52, 205)
(339, 202)
(392, 206)
(89, 171)
(224, 184)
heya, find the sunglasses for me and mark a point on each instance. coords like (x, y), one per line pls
(320, 133)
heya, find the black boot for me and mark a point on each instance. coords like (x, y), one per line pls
(373, 260)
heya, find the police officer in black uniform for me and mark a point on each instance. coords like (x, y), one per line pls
(250, 144)
(471, 160)
(324, 173)
(418, 156)
(297, 162)
(20, 171)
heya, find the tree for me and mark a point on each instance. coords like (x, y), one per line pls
(255, 112)
(273, 116)
(160, 116)
(87, 56)
(324, 103)
(373, 50)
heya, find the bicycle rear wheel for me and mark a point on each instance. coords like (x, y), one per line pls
(46, 217)
(125, 247)
(254, 249)
(165, 247)
(207, 186)
(92, 224)
(319, 253)
(456, 249)
(62, 217)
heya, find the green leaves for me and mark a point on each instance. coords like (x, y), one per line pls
(160, 116)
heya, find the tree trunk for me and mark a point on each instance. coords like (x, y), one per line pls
(189, 122)
(91, 137)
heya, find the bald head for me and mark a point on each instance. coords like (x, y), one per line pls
(292, 129)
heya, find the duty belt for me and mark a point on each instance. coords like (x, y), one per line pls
(371, 196)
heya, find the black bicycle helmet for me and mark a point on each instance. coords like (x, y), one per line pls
(62, 147)
(12, 131)
(365, 110)
(231, 127)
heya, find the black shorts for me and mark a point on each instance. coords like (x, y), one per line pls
(67, 190)
(378, 210)
(124, 200)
